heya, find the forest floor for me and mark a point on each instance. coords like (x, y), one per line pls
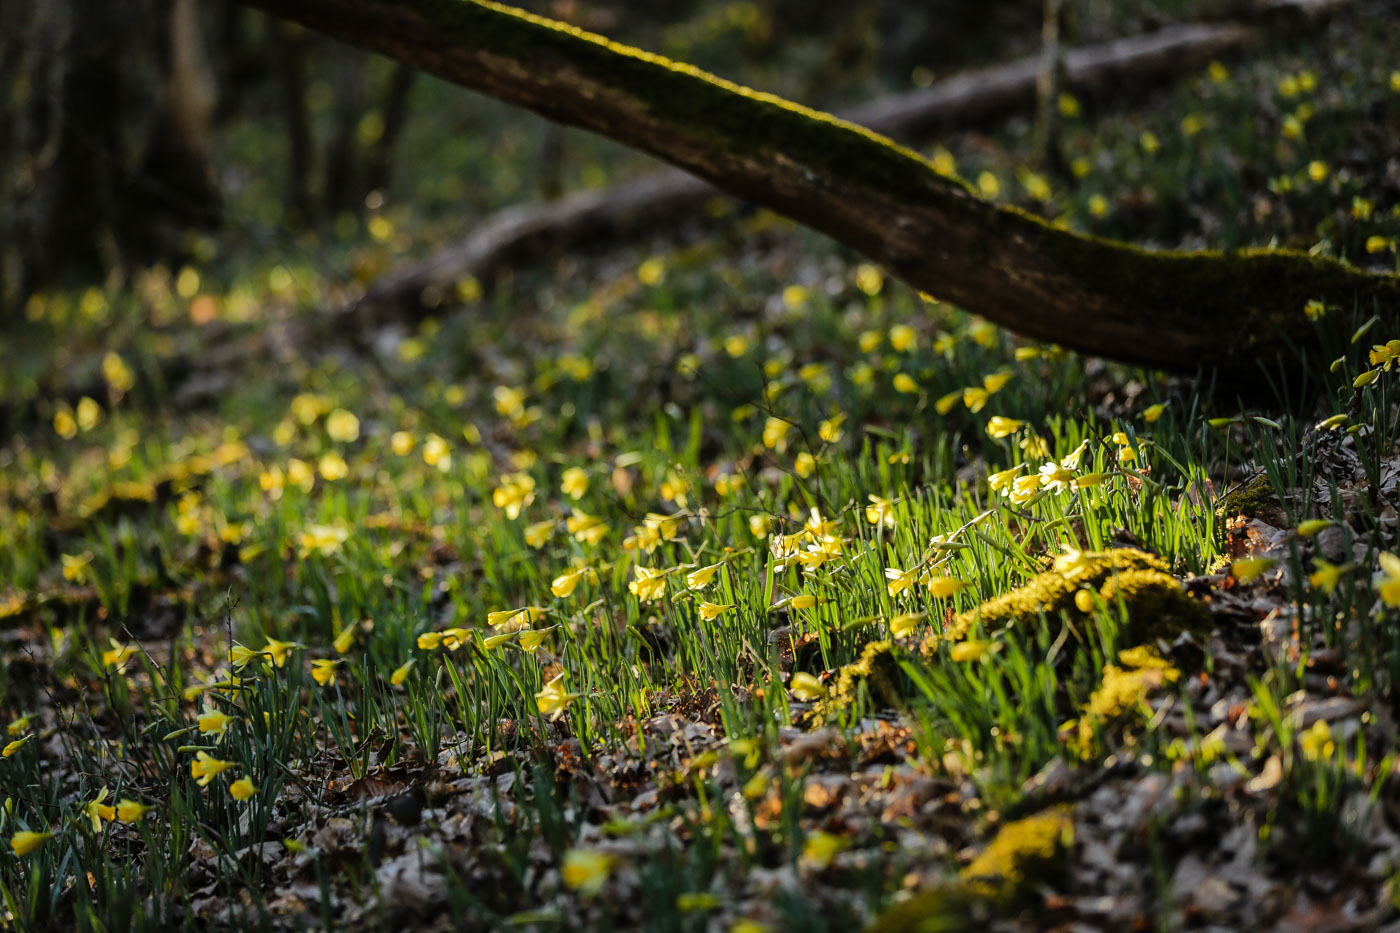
(722, 583)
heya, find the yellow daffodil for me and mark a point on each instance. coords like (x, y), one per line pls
(428, 641)
(15, 746)
(649, 583)
(25, 842)
(702, 577)
(1024, 488)
(332, 467)
(711, 611)
(278, 650)
(242, 789)
(214, 722)
(1313, 525)
(492, 642)
(239, 655)
(563, 586)
(205, 768)
(17, 726)
(515, 619)
(945, 403)
(829, 430)
(323, 669)
(759, 525)
(900, 580)
(402, 443)
(806, 687)
(96, 811)
(132, 811)
(345, 640)
(529, 641)
(802, 601)
(553, 699)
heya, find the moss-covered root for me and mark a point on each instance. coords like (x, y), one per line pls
(876, 671)
(1154, 603)
(1023, 855)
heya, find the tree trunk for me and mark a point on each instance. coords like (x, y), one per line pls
(1176, 310)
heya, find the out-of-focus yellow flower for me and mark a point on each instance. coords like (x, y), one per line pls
(402, 443)
(880, 511)
(342, 426)
(942, 587)
(988, 185)
(15, 746)
(75, 566)
(905, 383)
(973, 650)
(25, 842)
(1003, 427)
(538, 534)
(586, 529)
(345, 640)
(820, 848)
(438, 453)
(1002, 479)
(1249, 569)
(806, 687)
(945, 403)
(906, 623)
(205, 768)
(1326, 576)
(1389, 586)
(1317, 743)
(649, 583)
(804, 465)
(1152, 412)
(903, 338)
(278, 650)
(18, 726)
(323, 670)
(759, 525)
(529, 641)
(775, 432)
(118, 654)
(242, 789)
(586, 870)
(829, 430)
(401, 673)
(132, 811)
(900, 580)
(1314, 525)
(88, 413)
(574, 483)
(975, 398)
(516, 491)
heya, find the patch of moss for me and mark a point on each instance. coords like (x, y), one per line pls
(877, 670)
(1250, 500)
(1155, 603)
(1123, 692)
(1024, 853)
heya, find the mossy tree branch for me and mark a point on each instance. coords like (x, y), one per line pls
(1175, 310)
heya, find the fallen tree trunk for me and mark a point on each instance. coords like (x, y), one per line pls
(975, 98)
(1169, 309)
